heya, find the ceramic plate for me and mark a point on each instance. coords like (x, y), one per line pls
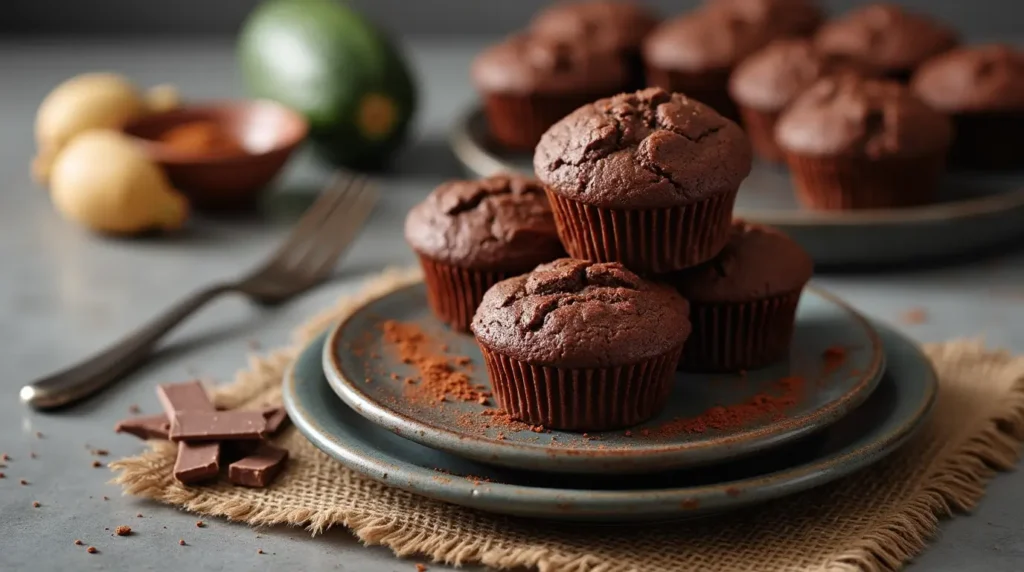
(368, 375)
(867, 434)
(975, 212)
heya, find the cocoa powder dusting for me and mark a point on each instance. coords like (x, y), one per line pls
(439, 377)
(834, 357)
(761, 406)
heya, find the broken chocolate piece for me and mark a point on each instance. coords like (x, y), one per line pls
(188, 396)
(218, 425)
(276, 418)
(196, 462)
(147, 427)
(258, 469)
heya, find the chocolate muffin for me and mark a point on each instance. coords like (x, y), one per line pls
(857, 143)
(648, 179)
(469, 235)
(695, 53)
(886, 37)
(743, 303)
(982, 89)
(604, 25)
(528, 82)
(581, 346)
(767, 81)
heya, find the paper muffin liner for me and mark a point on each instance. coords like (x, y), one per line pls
(517, 121)
(454, 293)
(710, 87)
(651, 241)
(854, 182)
(988, 141)
(597, 399)
(760, 128)
(740, 336)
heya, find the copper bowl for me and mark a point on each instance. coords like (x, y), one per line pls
(266, 134)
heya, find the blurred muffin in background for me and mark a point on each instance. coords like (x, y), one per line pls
(770, 79)
(886, 37)
(860, 143)
(695, 53)
(604, 25)
(982, 89)
(528, 82)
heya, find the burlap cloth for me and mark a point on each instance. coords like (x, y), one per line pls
(875, 520)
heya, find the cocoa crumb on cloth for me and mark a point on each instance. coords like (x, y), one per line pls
(440, 379)
(78, 542)
(123, 530)
(91, 550)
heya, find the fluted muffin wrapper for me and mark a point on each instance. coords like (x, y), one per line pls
(575, 399)
(729, 337)
(454, 293)
(851, 182)
(710, 87)
(517, 121)
(988, 141)
(760, 128)
(652, 241)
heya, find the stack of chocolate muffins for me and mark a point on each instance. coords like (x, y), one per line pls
(866, 110)
(638, 190)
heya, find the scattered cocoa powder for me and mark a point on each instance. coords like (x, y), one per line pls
(78, 542)
(35, 504)
(23, 482)
(259, 551)
(106, 498)
(914, 316)
(123, 530)
(834, 357)
(96, 464)
(91, 550)
(99, 452)
(200, 524)
(438, 373)
(421, 568)
(758, 407)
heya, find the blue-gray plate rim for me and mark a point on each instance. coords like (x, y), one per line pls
(612, 452)
(886, 421)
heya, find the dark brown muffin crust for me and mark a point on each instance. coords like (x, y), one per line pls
(531, 64)
(603, 24)
(988, 78)
(576, 314)
(886, 36)
(647, 149)
(850, 115)
(703, 41)
(772, 77)
(502, 222)
(783, 17)
(758, 262)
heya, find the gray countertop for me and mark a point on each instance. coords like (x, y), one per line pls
(65, 293)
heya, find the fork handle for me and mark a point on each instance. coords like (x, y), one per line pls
(88, 377)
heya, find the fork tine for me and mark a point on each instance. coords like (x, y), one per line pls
(339, 235)
(333, 195)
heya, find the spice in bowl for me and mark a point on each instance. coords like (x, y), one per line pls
(202, 137)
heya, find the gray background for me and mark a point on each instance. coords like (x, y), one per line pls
(997, 18)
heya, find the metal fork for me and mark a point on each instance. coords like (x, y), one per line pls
(306, 259)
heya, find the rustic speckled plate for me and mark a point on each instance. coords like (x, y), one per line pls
(975, 212)
(368, 375)
(886, 420)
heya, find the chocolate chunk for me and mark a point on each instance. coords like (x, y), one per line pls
(196, 462)
(218, 425)
(188, 396)
(258, 469)
(147, 427)
(276, 418)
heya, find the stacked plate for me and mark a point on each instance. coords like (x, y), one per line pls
(975, 212)
(348, 394)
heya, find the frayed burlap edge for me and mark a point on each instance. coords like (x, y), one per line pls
(956, 485)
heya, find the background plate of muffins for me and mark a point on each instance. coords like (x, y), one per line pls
(879, 137)
(612, 317)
